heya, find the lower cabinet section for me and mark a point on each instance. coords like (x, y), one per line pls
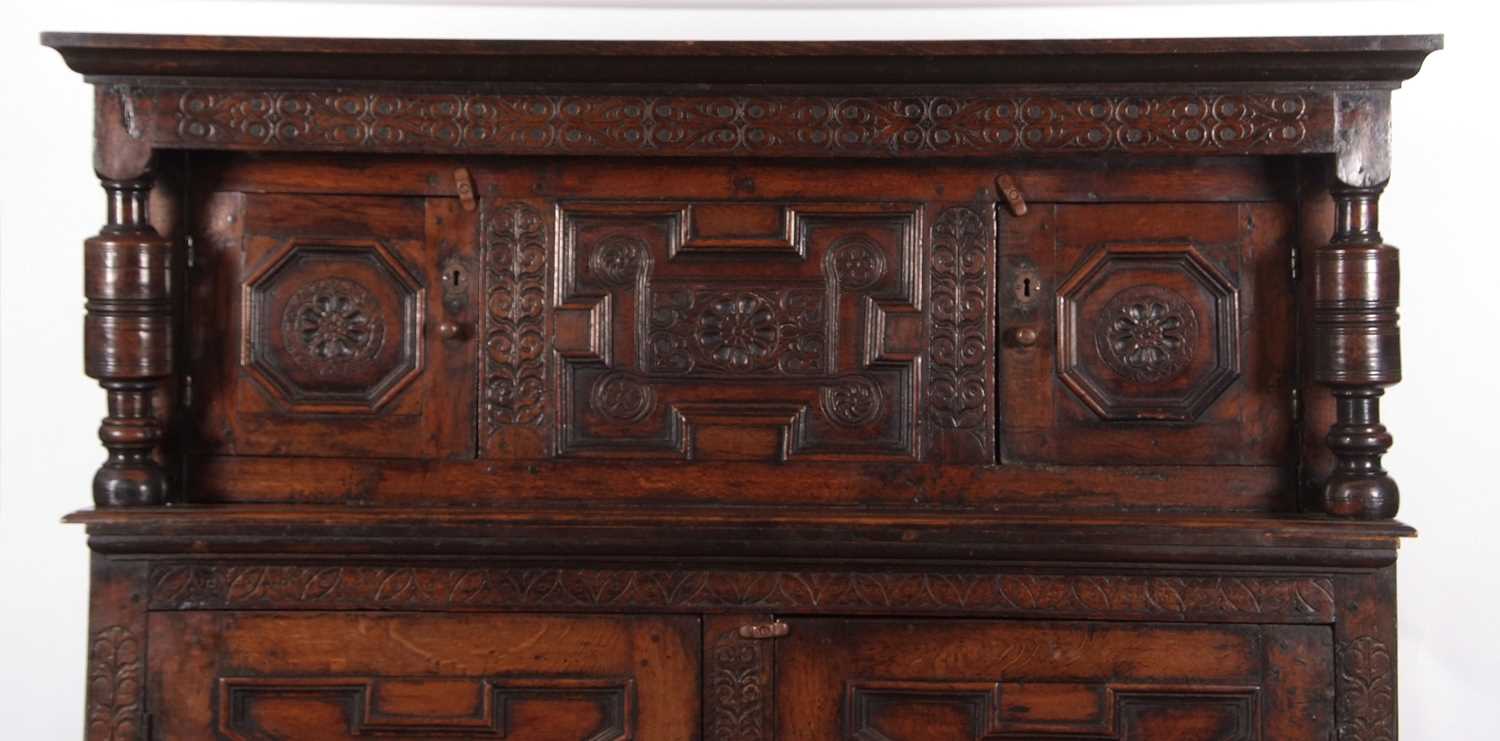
(957, 680)
(353, 675)
(320, 676)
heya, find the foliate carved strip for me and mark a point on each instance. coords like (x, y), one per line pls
(1292, 599)
(515, 244)
(114, 689)
(760, 126)
(958, 389)
(1366, 690)
(738, 670)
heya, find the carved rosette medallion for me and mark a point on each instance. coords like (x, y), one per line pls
(852, 401)
(515, 342)
(857, 262)
(114, 689)
(618, 260)
(1147, 334)
(332, 324)
(737, 331)
(622, 397)
(1366, 690)
(958, 393)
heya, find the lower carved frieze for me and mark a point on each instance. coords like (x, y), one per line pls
(1120, 596)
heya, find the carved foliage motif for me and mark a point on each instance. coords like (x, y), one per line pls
(1249, 599)
(622, 397)
(857, 262)
(331, 323)
(739, 699)
(114, 689)
(515, 262)
(618, 259)
(1148, 334)
(852, 401)
(1366, 690)
(764, 126)
(958, 390)
(737, 331)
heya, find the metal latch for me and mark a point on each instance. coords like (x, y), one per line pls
(762, 631)
(1012, 194)
(464, 184)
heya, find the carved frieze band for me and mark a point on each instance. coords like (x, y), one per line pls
(515, 370)
(1231, 598)
(792, 125)
(1366, 690)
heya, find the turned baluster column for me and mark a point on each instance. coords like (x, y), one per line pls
(1357, 351)
(127, 342)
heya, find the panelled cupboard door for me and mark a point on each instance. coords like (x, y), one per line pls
(324, 676)
(1127, 334)
(352, 330)
(903, 680)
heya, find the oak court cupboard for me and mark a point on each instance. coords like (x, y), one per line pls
(664, 391)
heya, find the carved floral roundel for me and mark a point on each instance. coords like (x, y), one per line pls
(331, 324)
(1146, 334)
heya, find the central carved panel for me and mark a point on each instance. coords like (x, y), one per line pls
(766, 331)
(737, 331)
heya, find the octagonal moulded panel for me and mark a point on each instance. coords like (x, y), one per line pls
(1148, 332)
(333, 326)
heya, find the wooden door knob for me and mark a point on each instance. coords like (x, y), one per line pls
(1021, 336)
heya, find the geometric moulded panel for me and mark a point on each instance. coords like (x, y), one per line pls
(333, 326)
(1147, 332)
(749, 330)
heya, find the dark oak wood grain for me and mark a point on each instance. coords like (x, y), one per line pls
(1362, 58)
(740, 390)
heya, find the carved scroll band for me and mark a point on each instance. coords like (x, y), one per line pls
(911, 126)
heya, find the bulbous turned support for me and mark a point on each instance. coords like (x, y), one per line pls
(1357, 351)
(128, 342)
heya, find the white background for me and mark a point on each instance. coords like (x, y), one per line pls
(1440, 209)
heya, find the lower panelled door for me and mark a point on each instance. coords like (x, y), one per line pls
(959, 680)
(325, 676)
